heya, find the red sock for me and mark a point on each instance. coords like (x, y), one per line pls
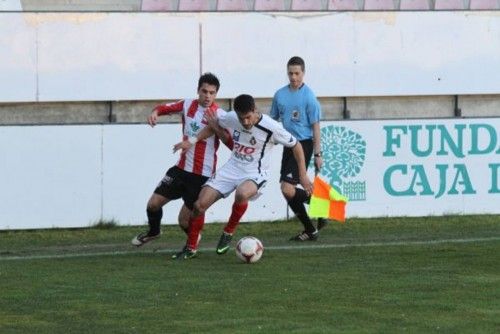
(236, 214)
(195, 227)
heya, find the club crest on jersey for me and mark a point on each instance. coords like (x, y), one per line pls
(236, 135)
(253, 141)
(194, 127)
(295, 115)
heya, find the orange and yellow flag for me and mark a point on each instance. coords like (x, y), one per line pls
(326, 202)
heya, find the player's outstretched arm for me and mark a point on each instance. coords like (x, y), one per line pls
(153, 117)
(298, 153)
(219, 131)
(164, 109)
(183, 146)
(186, 144)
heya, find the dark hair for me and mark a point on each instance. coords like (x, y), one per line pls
(209, 78)
(244, 103)
(297, 61)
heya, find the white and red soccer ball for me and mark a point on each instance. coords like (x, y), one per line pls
(249, 249)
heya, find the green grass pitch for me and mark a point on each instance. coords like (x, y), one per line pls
(388, 275)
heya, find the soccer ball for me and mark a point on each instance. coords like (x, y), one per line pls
(249, 249)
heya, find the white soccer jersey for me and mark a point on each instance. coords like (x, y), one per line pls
(201, 158)
(251, 149)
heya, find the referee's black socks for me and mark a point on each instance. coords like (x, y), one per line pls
(302, 195)
(297, 206)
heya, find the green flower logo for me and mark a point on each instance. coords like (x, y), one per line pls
(344, 153)
(194, 127)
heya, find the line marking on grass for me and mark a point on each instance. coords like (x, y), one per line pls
(284, 247)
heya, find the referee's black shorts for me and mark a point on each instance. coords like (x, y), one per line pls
(289, 169)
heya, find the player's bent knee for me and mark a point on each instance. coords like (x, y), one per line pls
(199, 208)
(153, 207)
(244, 197)
(156, 202)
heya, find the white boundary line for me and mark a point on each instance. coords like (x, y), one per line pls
(285, 247)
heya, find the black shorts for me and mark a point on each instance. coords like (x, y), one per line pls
(178, 183)
(289, 169)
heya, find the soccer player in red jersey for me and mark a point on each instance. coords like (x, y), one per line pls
(195, 166)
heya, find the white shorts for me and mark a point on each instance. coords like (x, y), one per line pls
(227, 178)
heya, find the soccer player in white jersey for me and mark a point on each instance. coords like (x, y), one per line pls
(195, 166)
(254, 136)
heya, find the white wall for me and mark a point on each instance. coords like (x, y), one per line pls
(49, 176)
(9, 5)
(72, 176)
(134, 56)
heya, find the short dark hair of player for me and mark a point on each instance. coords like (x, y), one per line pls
(297, 61)
(209, 78)
(244, 103)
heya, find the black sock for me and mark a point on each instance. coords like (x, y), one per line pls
(154, 220)
(302, 196)
(297, 206)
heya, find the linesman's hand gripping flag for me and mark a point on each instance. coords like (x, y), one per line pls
(326, 202)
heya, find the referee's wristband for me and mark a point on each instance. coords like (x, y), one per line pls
(318, 155)
(193, 140)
